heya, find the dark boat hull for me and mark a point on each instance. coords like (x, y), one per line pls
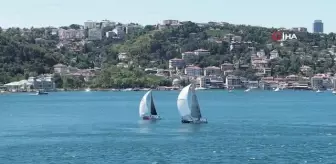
(194, 121)
(149, 118)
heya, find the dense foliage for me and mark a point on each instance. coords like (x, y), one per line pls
(28, 52)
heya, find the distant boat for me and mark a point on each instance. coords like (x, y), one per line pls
(318, 91)
(127, 89)
(191, 114)
(248, 90)
(277, 89)
(39, 92)
(144, 112)
(87, 90)
(334, 91)
(200, 88)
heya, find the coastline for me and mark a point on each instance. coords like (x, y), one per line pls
(162, 88)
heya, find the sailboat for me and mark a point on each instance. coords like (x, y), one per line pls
(248, 90)
(277, 89)
(192, 114)
(144, 112)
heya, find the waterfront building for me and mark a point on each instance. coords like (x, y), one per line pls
(193, 71)
(334, 83)
(44, 82)
(203, 82)
(232, 81)
(317, 82)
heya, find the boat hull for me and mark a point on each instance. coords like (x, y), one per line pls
(194, 121)
(151, 118)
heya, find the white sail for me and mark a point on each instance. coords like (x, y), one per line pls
(182, 101)
(143, 107)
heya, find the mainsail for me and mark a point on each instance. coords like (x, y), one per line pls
(195, 108)
(143, 108)
(153, 110)
(182, 101)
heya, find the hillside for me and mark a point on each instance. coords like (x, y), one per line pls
(28, 52)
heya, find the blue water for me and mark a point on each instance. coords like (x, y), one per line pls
(257, 127)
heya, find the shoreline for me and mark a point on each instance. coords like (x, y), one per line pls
(156, 89)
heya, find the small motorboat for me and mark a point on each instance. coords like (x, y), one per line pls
(41, 93)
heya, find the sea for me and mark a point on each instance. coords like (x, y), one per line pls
(256, 127)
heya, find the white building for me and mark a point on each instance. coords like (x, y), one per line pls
(132, 28)
(43, 83)
(123, 56)
(110, 34)
(170, 22)
(70, 34)
(193, 71)
(317, 82)
(202, 52)
(261, 54)
(334, 83)
(95, 34)
(212, 71)
(203, 81)
(107, 23)
(91, 24)
(233, 82)
(274, 54)
(60, 69)
(176, 63)
(119, 31)
(189, 57)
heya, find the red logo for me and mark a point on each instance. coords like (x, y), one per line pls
(277, 36)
